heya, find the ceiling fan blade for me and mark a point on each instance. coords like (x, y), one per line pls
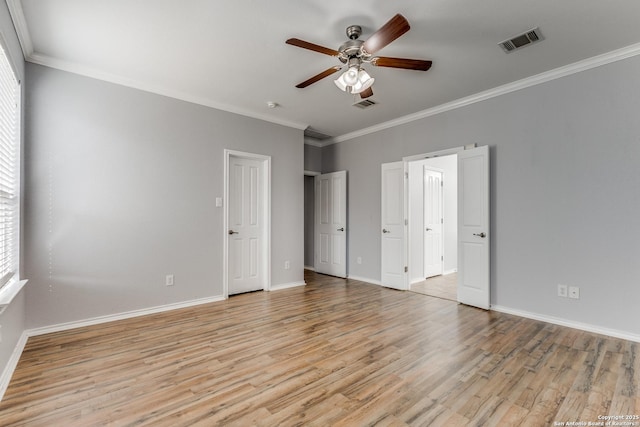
(397, 26)
(317, 77)
(366, 93)
(311, 46)
(409, 64)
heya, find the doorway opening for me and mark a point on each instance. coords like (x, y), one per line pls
(433, 232)
(473, 217)
(309, 219)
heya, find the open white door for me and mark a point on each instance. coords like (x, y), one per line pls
(392, 226)
(473, 227)
(433, 220)
(331, 224)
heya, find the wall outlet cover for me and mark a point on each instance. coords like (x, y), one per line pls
(574, 292)
(562, 291)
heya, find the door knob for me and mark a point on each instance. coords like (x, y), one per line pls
(480, 234)
(427, 229)
(233, 232)
(341, 229)
(384, 230)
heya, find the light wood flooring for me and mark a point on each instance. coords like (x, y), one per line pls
(334, 353)
(444, 286)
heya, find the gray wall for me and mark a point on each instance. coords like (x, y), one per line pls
(120, 191)
(312, 158)
(313, 163)
(564, 191)
(13, 319)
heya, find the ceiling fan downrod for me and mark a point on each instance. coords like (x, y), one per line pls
(354, 31)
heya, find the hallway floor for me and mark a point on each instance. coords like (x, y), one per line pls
(439, 286)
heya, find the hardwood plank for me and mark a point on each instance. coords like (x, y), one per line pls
(335, 352)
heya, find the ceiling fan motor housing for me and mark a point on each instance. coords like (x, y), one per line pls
(350, 49)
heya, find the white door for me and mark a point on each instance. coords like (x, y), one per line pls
(331, 224)
(473, 227)
(393, 269)
(245, 225)
(433, 221)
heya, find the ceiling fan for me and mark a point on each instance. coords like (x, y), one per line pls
(355, 52)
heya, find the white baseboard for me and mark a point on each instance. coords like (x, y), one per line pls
(11, 365)
(120, 316)
(569, 323)
(365, 279)
(310, 268)
(288, 285)
(447, 272)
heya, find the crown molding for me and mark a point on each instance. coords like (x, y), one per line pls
(22, 30)
(20, 24)
(567, 70)
(24, 37)
(317, 142)
(74, 68)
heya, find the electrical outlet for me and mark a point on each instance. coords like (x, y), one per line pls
(287, 265)
(562, 291)
(574, 292)
(169, 280)
(359, 260)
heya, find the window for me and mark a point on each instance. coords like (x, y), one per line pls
(9, 171)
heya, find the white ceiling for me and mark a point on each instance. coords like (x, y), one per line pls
(231, 54)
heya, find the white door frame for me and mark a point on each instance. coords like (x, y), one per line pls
(266, 216)
(406, 161)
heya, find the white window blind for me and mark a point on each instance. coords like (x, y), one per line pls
(9, 170)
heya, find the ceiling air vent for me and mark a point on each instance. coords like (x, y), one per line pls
(365, 103)
(524, 39)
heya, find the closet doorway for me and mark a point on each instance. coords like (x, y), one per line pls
(433, 226)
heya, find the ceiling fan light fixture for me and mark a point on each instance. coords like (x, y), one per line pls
(364, 82)
(351, 75)
(347, 83)
(341, 83)
(347, 79)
